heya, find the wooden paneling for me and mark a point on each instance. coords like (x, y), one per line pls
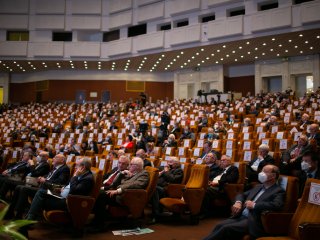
(239, 84)
(65, 90)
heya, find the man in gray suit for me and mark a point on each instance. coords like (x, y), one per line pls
(134, 178)
(246, 211)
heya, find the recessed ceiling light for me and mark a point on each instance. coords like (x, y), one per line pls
(18, 65)
(181, 52)
(289, 40)
(70, 61)
(256, 49)
(178, 56)
(233, 51)
(58, 63)
(278, 54)
(59, 66)
(280, 45)
(185, 63)
(181, 66)
(218, 50)
(221, 59)
(306, 42)
(311, 48)
(192, 57)
(286, 50)
(138, 70)
(224, 46)
(217, 62)
(29, 62)
(72, 66)
(256, 57)
(165, 68)
(264, 44)
(247, 43)
(14, 62)
(34, 68)
(227, 55)
(271, 50)
(160, 59)
(318, 36)
(202, 61)
(296, 46)
(162, 55)
(273, 39)
(197, 53)
(85, 62)
(207, 58)
(240, 47)
(23, 70)
(145, 58)
(301, 51)
(171, 63)
(263, 54)
(198, 64)
(212, 54)
(202, 49)
(241, 56)
(300, 35)
(236, 60)
(129, 60)
(249, 53)
(189, 60)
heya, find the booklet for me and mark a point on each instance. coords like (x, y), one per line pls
(54, 195)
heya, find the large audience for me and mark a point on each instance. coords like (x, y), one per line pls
(272, 134)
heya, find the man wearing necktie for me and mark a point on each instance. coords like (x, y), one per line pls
(20, 169)
(80, 184)
(247, 209)
(58, 176)
(134, 178)
(111, 178)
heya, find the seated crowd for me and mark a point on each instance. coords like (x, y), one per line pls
(49, 151)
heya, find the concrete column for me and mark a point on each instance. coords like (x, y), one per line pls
(285, 75)
(4, 83)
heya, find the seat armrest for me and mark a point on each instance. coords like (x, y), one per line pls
(135, 200)
(193, 197)
(275, 223)
(175, 190)
(309, 230)
(79, 208)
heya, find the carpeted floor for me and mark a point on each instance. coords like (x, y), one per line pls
(167, 229)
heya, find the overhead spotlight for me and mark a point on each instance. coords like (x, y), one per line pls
(240, 47)
(280, 45)
(224, 46)
(247, 43)
(218, 50)
(301, 51)
(264, 44)
(181, 53)
(236, 60)
(145, 58)
(289, 40)
(300, 35)
(162, 55)
(197, 53)
(70, 61)
(306, 42)
(202, 49)
(273, 39)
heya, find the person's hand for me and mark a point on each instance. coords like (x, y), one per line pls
(127, 173)
(79, 171)
(236, 208)
(41, 179)
(213, 184)
(249, 204)
(292, 160)
(166, 168)
(30, 162)
(5, 172)
(112, 193)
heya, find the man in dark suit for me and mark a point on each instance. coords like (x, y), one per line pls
(15, 174)
(215, 189)
(169, 174)
(59, 175)
(80, 184)
(207, 148)
(211, 161)
(314, 135)
(134, 178)
(310, 169)
(111, 178)
(142, 154)
(246, 211)
(255, 166)
(291, 159)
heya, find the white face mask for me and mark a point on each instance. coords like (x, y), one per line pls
(262, 177)
(305, 166)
